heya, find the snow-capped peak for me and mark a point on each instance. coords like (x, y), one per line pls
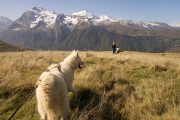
(43, 15)
(105, 18)
(175, 24)
(83, 13)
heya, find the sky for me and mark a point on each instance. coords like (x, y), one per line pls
(138, 10)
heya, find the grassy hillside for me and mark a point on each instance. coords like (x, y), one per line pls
(7, 47)
(127, 86)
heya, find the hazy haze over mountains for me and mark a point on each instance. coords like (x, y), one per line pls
(5, 22)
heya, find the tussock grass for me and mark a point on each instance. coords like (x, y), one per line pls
(126, 86)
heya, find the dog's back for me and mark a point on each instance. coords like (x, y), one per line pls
(52, 96)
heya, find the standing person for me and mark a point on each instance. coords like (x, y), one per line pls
(114, 48)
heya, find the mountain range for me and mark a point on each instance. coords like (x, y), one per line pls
(42, 29)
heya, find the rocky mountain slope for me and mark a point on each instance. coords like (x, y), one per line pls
(7, 47)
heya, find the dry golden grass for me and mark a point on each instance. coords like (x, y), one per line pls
(127, 86)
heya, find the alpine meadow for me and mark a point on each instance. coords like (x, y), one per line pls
(125, 86)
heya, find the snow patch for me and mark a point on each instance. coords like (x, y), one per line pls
(16, 29)
(175, 24)
(70, 20)
(41, 14)
(105, 18)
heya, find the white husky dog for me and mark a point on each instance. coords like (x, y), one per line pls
(53, 87)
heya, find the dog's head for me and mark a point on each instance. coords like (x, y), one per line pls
(76, 60)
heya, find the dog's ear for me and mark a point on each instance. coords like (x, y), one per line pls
(77, 52)
(74, 51)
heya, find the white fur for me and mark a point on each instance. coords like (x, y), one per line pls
(53, 87)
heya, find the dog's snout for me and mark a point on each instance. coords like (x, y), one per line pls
(81, 64)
